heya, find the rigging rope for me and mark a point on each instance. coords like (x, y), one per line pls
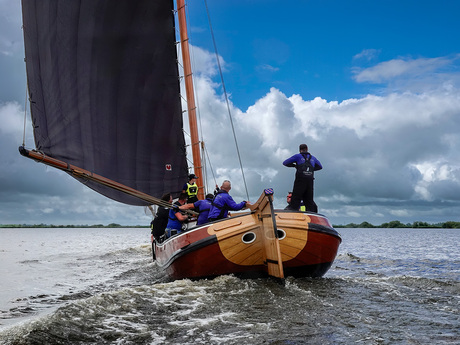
(210, 166)
(25, 119)
(226, 96)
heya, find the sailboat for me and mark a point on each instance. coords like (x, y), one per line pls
(104, 92)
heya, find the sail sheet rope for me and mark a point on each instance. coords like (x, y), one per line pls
(205, 153)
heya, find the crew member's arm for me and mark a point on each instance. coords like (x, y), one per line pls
(317, 165)
(186, 206)
(181, 217)
(291, 161)
(232, 205)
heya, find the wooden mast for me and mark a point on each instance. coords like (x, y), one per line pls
(191, 107)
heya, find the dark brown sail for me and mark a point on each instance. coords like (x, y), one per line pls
(104, 90)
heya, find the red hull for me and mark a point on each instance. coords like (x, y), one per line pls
(199, 254)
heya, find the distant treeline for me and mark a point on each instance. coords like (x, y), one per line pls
(112, 225)
(392, 224)
(398, 224)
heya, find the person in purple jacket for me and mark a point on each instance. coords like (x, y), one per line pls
(223, 202)
(305, 164)
(202, 206)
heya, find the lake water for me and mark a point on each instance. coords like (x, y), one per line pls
(100, 286)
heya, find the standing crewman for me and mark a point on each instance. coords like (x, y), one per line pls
(191, 188)
(305, 164)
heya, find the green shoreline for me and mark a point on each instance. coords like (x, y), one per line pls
(392, 224)
(398, 224)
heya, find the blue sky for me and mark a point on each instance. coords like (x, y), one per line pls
(371, 86)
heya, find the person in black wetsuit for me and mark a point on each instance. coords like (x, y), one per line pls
(158, 224)
(305, 164)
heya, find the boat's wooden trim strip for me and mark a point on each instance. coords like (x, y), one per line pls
(230, 223)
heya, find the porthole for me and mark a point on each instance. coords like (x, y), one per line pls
(281, 233)
(248, 237)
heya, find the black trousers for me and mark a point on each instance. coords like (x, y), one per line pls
(192, 199)
(303, 190)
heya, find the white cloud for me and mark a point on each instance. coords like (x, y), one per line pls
(354, 214)
(372, 114)
(408, 68)
(400, 213)
(435, 171)
(267, 67)
(270, 118)
(367, 54)
(11, 118)
(204, 63)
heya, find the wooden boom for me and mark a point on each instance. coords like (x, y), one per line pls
(82, 173)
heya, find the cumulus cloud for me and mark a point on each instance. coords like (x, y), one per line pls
(204, 63)
(397, 68)
(375, 138)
